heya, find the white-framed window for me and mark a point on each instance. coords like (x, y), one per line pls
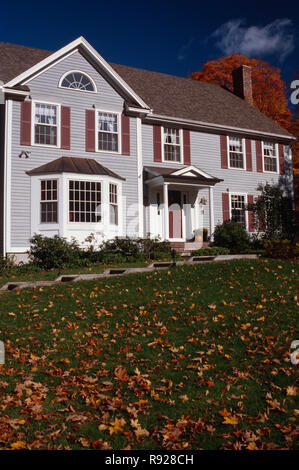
(85, 199)
(172, 145)
(236, 152)
(237, 208)
(77, 80)
(108, 131)
(113, 204)
(46, 124)
(270, 157)
(48, 201)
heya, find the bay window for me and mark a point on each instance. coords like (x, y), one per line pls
(49, 201)
(84, 201)
(113, 206)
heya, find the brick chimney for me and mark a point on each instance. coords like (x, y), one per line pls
(242, 83)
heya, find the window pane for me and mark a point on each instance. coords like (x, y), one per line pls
(108, 142)
(238, 209)
(172, 149)
(77, 80)
(270, 164)
(80, 207)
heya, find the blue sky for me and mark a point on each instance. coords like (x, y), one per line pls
(175, 37)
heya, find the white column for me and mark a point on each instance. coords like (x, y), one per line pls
(211, 207)
(139, 178)
(165, 210)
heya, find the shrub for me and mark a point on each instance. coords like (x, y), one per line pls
(281, 249)
(211, 251)
(7, 263)
(232, 235)
(126, 248)
(151, 247)
(54, 252)
(273, 213)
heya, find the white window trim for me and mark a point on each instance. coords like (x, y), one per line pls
(77, 89)
(64, 227)
(114, 204)
(171, 162)
(68, 199)
(234, 193)
(118, 132)
(40, 201)
(228, 154)
(58, 124)
(277, 160)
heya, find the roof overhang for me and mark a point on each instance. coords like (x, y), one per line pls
(210, 127)
(78, 44)
(187, 176)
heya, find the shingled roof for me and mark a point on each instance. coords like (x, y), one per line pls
(86, 166)
(167, 95)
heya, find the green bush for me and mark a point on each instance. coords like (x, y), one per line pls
(126, 248)
(211, 251)
(281, 249)
(7, 263)
(55, 252)
(233, 236)
(150, 247)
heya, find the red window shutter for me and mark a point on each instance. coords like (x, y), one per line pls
(65, 127)
(248, 155)
(157, 144)
(251, 226)
(223, 151)
(125, 134)
(25, 131)
(281, 159)
(90, 117)
(186, 144)
(259, 156)
(225, 206)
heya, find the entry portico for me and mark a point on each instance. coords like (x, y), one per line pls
(176, 201)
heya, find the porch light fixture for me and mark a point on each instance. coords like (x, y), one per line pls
(203, 201)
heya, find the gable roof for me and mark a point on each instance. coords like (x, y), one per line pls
(188, 99)
(166, 95)
(188, 174)
(84, 166)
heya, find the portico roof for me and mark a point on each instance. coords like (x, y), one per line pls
(187, 175)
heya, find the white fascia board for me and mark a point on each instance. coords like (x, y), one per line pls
(12, 91)
(81, 41)
(191, 168)
(201, 125)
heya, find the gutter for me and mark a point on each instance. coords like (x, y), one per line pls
(216, 127)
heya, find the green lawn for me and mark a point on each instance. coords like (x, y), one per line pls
(197, 357)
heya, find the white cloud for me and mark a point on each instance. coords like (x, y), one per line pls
(273, 39)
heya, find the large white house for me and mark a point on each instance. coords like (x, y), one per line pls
(92, 147)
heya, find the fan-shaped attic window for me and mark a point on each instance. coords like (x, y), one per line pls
(77, 81)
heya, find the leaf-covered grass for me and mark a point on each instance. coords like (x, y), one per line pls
(197, 357)
(30, 272)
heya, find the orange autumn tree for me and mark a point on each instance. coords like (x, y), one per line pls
(269, 94)
(269, 91)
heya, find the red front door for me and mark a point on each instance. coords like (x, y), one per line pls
(175, 214)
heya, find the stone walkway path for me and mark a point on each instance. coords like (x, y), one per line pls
(121, 271)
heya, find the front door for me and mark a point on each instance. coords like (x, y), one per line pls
(175, 214)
